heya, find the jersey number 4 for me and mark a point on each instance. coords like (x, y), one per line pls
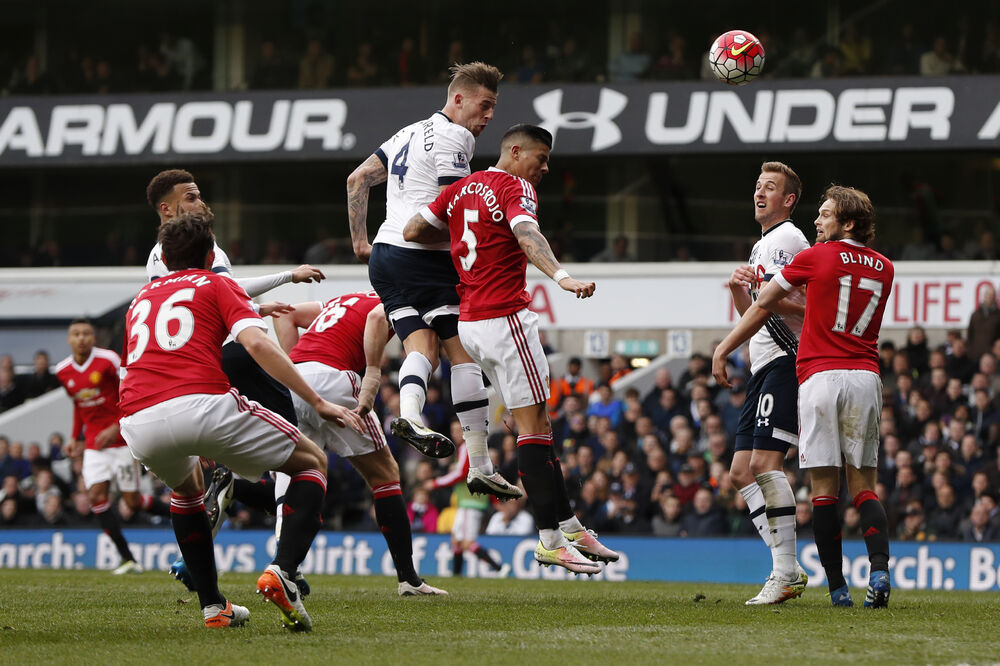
(399, 167)
(169, 311)
(844, 302)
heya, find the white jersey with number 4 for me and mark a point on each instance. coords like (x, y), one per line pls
(419, 159)
(780, 334)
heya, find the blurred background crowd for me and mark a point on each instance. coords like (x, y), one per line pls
(654, 463)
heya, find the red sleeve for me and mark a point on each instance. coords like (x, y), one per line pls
(801, 267)
(233, 302)
(520, 202)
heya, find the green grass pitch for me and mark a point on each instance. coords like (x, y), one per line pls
(93, 617)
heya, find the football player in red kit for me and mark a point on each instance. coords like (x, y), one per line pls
(840, 391)
(177, 405)
(491, 218)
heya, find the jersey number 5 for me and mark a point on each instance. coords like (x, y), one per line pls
(469, 237)
(844, 302)
(169, 311)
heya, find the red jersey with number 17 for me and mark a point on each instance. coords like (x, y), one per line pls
(481, 211)
(847, 287)
(337, 336)
(174, 332)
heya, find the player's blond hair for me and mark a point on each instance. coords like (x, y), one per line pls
(853, 205)
(793, 184)
(471, 75)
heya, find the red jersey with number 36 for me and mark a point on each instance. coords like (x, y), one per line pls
(93, 387)
(847, 287)
(174, 332)
(337, 336)
(481, 211)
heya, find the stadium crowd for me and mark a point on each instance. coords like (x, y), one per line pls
(316, 56)
(654, 463)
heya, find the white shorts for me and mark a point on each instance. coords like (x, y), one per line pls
(839, 413)
(241, 434)
(510, 353)
(467, 523)
(341, 387)
(116, 463)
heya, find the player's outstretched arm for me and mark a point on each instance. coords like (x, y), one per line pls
(287, 324)
(370, 173)
(749, 323)
(419, 230)
(539, 252)
(376, 337)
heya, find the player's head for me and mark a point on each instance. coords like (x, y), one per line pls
(776, 194)
(845, 213)
(173, 192)
(472, 95)
(524, 152)
(187, 241)
(81, 337)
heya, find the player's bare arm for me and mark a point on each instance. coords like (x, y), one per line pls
(73, 448)
(739, 286)
(107, 436)
(274, 308)
(369, 174)
(539, 252)
(376, 337)
(751, 321)
(276, 363)
(287, 324)
(419, 230)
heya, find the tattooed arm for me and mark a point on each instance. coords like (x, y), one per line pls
(419, 230)
(538, 251)
(369, 174)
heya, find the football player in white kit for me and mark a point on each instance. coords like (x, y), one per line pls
(416, 281)
(769, 421)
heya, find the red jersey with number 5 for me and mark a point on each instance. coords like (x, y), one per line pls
(480, 212)
(93, 387)
(847, 287)
(174, 332)
(337, 336)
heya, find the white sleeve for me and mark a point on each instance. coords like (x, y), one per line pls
(452, 154)
(789, 245)
(255, 286)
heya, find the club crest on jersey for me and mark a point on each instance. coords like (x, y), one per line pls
(460, 162)
(782, 257)
(529, 205)
(95, 377)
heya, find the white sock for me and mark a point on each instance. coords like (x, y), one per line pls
(552, 539)
(780, 501)
(471, 401)
(755, 505)
(571, 525)
(413, 374)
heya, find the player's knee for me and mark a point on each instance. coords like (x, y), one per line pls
(759, 466)
(98, 495)
(741, 476)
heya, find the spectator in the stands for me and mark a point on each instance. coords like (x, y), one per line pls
(315, 67)
(959, 364)
(607, 405)
(617, 252)
(40, 380)
(978, 527)
(940, 61)
(31, 79)
(410, 68)
(704, 518)
(271, 71)
(984, 323)
(363, 70)
(631, 64)
(572, 65)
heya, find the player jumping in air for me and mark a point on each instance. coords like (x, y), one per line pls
(339, 355)
(840, 391)
(491, 219)
(769, 421)
(416, 280)
(177, 405)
